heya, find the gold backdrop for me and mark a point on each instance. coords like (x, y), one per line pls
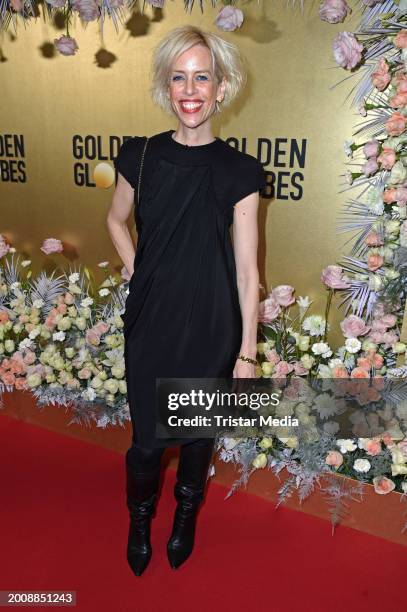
(62, 116)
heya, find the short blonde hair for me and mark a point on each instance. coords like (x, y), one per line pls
(226, 61)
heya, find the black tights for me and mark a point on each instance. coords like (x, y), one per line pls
(142, 460)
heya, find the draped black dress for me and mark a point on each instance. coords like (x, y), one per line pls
(182, 316)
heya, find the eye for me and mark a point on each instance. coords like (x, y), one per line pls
(176, 77)
(203, 76)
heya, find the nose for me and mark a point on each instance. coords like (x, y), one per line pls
(189, 85)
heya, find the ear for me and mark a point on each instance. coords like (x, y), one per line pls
(220, 94)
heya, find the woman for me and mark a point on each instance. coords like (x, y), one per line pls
(193, 299)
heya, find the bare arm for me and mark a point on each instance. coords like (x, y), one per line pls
(119, 211)
(245, 242)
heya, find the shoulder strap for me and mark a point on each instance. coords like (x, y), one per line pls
(141, 169)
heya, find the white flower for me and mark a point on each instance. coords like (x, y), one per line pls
(353, 345)
(86, 302)
(104, 292)
(346, 445)
(38, 303)
(25, 344)
(374, 201)
(398, 174)
(325, 405)
(324, 371)
(347, 147)
(60, 335)
(331, 427)
(230, 443)
(304, 302)
(315, 325)
(361, 465)
(34, 333)
(103, 264)
(89, 394)
(26, 263)
(74, 277)
(335, 362)
(15, 285)
(321, 348)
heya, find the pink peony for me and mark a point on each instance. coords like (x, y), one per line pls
(395, 124)
(283, 294)
(371, 148)
(381, 76)
(387, 158)
(401, 39)
(334, 458)
(347, 51)
(269, 309)
(383, 485)
(334, 11)
(52, 245)
(332, 276)
(229, 18)
(353, 326)
(66, 45)
(370, 167)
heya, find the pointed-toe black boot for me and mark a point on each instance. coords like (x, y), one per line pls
(142, 489)
(192, 474)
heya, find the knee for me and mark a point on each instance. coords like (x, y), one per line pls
(142, 459)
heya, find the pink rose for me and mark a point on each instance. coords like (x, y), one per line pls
(334, 458)
(364, 363)
(69, 298)
(390, 338)
(370, 167)
(269, 309)
(339, 371)
(383, 485)
(374, 261)
(373, 239)
(8, 378)
(395, 124)
(85, 373)
(66, 45)
(3, 316)
(347, 51)
(282, 369)
(29, 357)
(376, 336)
(389, 320)
(381, 76)
(401, 195)
(371, 148)
(283, 294)
(387, 158)
(229, 18)
(373, 447)
(332, 276)
(401, 39)
(353, 326)
(272, 356)
(398, 100)
(299, 369)
(87, 9)
(359, 373)
(334, 11)
(21, 384)
(101, 328)
(92, 337)
(52, 245)
(379, 325)
(389, 195)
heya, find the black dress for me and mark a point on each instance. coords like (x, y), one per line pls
(182, 316)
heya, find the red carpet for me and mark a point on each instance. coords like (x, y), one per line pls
(64, 526)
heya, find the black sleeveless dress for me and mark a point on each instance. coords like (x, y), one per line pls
(182, 316)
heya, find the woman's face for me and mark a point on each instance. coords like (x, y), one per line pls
(193, 89)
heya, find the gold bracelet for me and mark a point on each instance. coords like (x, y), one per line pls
(248, 359)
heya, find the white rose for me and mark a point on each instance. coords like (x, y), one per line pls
(361, 465)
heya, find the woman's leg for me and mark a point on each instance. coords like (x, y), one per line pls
(143, 468)
(192, 473)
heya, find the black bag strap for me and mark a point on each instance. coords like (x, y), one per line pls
(141, 169)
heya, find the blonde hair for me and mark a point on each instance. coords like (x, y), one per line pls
(226, 62)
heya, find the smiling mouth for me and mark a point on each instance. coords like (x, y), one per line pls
(190, 107)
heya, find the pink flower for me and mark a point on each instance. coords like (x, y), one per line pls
(373, 239)
(87, 9)
(21, 384)
(390, 338)
(85, 373)
(282, 369)
(299, 369)
(387, 158)
(401, 39)
(381, 76)
(374, 261)
(389, 195)
(3, 316)
(401, 195)
(272, 356)
(395, 124)
(371, 148)
(69, 298)
(398, 100)
(383, 485)
(229, 18)
(359, 373)
(334, 458)
(4, 247)
(376, 336)
(373, 447)
(370, 167)
(353, 326)
(92, 337)
(332, 276)
(52, 245)
(29, 357)
(389, 320)
(364, 363)
(8, 378)
(283, 294)
(17, 5)
(101, 328)
(334, 11)
(339, 372)
(269, 309)
(66, 45)
(347, 50)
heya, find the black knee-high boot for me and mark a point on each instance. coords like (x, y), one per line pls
(189, 489)
(143, 476)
